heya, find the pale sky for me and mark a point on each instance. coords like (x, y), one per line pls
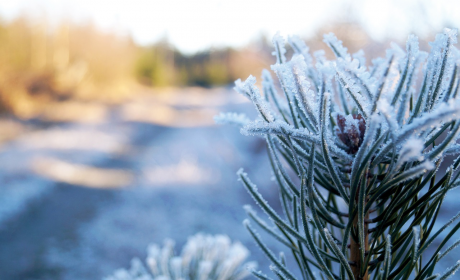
(193, 25)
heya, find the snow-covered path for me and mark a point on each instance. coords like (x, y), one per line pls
(79, 200)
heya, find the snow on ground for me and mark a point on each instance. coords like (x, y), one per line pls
(82, 199)
(79, 200)
(30, 151)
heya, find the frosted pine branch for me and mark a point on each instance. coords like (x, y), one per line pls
(366, 145)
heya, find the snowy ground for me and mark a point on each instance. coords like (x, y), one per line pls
(78, 200)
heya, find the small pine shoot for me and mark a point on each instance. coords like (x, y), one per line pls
(204, 257)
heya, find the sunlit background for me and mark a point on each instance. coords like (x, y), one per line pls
(106, 130)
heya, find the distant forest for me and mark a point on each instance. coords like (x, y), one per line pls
(162, 65)
(43, 62)
(80, 56)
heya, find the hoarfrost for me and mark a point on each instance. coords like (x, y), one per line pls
(450, 272)
(411, 150)
(336, 46)
(300, 48)
(280, 50)
(203, 257)
(232, 118)
(249, 89)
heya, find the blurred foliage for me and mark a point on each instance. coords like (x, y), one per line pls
(43, 63)
(162, 65)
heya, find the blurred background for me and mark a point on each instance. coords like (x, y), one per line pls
(107, 141)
